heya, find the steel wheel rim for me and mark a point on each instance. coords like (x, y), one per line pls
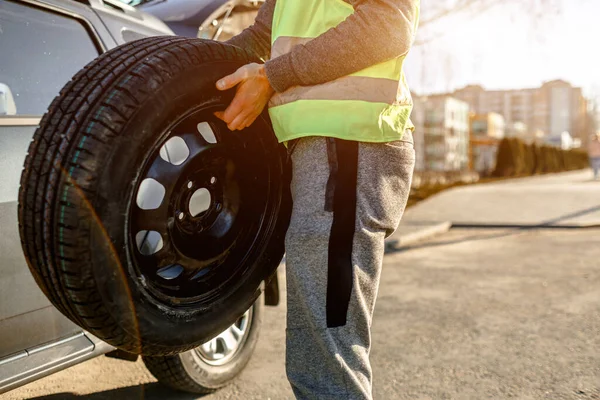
(225, 346)
(164, 243)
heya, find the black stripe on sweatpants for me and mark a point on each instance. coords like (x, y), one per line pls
(340, 270)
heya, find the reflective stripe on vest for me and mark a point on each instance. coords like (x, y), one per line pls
(371, 105)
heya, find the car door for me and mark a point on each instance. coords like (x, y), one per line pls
(42, 45)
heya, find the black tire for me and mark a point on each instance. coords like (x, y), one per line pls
(189, 372)
(82, 170)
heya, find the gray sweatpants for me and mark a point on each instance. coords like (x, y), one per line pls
(348, 197)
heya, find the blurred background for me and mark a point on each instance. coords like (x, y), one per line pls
(481, 71)
(484, 70)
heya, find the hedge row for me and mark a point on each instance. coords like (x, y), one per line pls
(516, 158)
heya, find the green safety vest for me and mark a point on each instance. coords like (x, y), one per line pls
(372, 105)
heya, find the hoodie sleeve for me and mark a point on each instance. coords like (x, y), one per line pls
(377, 31)
(257, 38)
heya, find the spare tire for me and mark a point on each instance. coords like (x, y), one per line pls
(143, 219)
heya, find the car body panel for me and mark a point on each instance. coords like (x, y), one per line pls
(26, 316)
(184, 17)
(19, 293)
(126, 23)
(190, 12)
(32, 331)
(35, 338)
(35, 363)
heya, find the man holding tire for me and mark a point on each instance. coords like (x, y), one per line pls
(338, 98)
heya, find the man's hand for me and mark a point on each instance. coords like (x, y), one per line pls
(252, 95)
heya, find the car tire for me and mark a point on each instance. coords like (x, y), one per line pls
(195, 372)
(84, 231)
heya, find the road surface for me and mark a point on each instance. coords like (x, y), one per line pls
(471, 315)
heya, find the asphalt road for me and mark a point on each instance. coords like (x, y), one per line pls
(474, 314)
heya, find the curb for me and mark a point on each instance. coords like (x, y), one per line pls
(400, 240)
(591, 225)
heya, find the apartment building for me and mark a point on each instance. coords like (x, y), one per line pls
(418, 119)
(444, 142)
(549, 110)
(486, 131)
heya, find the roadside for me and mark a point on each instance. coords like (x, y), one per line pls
(568, 199)
(425, 190)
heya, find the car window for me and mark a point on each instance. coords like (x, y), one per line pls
(40, 50)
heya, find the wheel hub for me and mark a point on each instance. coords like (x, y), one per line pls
(198, 203)
(203, 198)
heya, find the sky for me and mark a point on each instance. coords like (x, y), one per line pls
(507, 48)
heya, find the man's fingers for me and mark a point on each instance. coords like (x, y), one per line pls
(237, 123)
(244, 125)
(235, 108)
(249, 100)
(250, 120)
(231, 80)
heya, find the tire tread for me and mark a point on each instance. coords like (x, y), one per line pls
(52, 182)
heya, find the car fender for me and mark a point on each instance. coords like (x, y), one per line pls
(184, 16)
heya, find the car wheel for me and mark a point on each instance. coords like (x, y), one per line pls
(140, 214)
(215, 363)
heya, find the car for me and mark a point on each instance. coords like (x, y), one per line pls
(45, 42)
(207, 19)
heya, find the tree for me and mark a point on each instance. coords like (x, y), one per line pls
(435, 12)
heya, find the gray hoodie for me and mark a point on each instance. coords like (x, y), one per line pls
(377, 31)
